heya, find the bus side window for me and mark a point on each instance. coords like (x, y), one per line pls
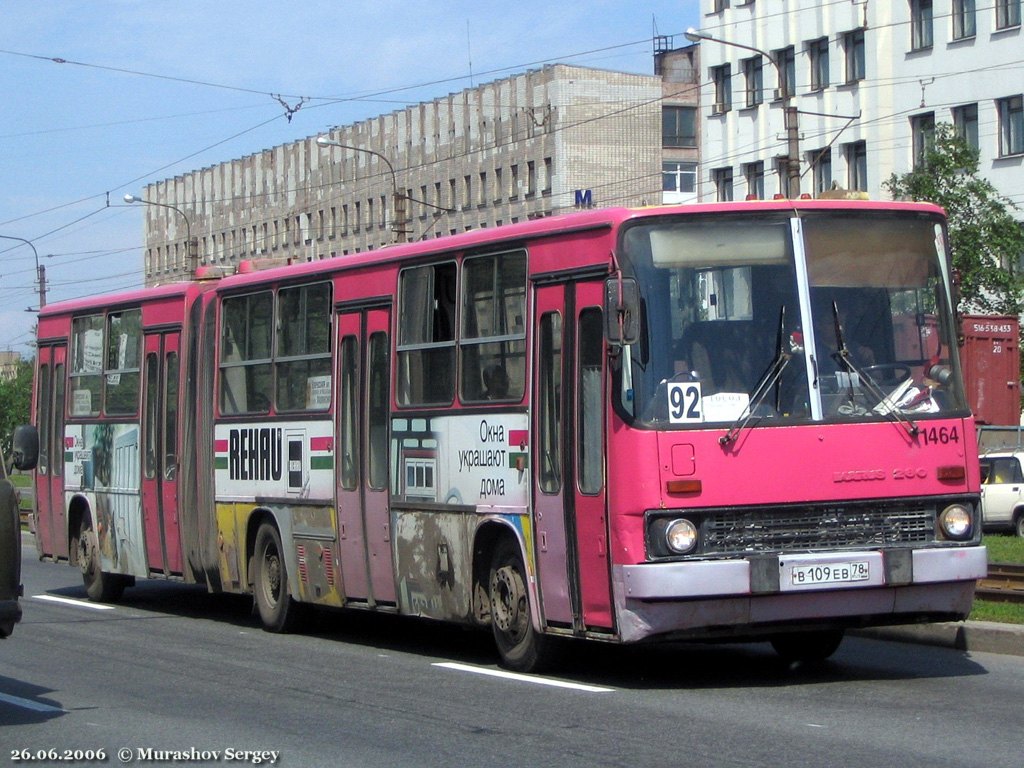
(426, 335)
(122, 377)
(348, 413)
(549, 411)
(492, 344)
(245, 385)
(43, 418)
(591, 413)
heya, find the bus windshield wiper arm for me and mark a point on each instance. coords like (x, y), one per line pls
(768, 379)
(843, 358)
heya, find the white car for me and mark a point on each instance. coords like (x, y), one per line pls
(1002, 492)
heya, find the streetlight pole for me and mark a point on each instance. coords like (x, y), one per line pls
(397, 199)
(191, 252)
(40, 269)
(790, 113)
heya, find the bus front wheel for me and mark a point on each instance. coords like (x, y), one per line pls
(520, 646)
(277, 610)
(99, 586)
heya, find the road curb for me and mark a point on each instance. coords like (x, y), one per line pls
(980, 636)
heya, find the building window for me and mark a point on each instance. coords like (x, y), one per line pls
(549, 176)
(720, 5)
(920, 24)
(785, 59)
(818, 52)
(722, 179)
(853, 46)
(856, 165)
(679, 177)
(754, 175)
(722, 79)
(964, 21)
(531, 178)
(753, 80)
(965, 121)
(922, 130)
(820, 162)
(1011, 125)
(1007, 13)
(679, 126)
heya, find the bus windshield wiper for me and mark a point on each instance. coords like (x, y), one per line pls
(771, 377)
(843, 358)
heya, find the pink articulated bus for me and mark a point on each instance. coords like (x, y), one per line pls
(739, 421)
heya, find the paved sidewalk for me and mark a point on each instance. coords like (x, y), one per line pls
(982, 636)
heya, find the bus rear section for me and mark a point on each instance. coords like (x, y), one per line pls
(790, 453)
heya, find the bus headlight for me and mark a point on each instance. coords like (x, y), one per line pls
(955, 522)
(681, 536)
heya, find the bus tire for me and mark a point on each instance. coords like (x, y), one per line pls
(520, 646)
(278, 612)
(808, 646)
(99, 586)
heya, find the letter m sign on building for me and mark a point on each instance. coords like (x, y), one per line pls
(584, 198)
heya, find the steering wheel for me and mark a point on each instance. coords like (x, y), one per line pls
(889, 374)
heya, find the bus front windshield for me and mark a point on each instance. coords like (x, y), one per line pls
(825, 317)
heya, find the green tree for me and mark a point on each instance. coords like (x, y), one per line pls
(986, 240)
(15, 403)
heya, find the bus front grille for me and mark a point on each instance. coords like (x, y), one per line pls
(796, 529)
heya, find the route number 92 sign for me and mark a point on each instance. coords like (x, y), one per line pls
(684, 402)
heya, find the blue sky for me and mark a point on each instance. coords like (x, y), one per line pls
(101, 97)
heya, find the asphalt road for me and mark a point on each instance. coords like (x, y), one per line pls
(174, 673)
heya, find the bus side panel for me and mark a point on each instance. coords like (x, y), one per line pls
(434, 559)
(104, 467)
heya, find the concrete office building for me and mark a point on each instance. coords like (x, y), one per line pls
(535, 144)
(869, 78)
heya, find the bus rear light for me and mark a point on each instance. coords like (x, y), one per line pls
(952, 473)
(683, 486)
(681, 536)
(956, 523)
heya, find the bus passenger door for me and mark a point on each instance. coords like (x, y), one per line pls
(570, 517)
(161, 408)
(364, 400)
(51, 520)
(588, 442)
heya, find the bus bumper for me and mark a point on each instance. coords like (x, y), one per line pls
(722, 598)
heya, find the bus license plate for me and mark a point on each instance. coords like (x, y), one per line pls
(815, 574)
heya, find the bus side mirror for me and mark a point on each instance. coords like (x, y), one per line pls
(622, 310)
(26, 447)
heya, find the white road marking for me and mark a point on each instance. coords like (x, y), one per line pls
(35, 706)
(522, 678)
(76, 603)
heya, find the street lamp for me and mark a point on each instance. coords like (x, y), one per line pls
(40, 269)
(789, 111)
(190, 245)
(397, 199)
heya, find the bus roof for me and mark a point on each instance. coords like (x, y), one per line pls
(508, 235)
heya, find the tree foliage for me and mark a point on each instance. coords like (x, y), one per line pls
(15, 403)
(987, 242)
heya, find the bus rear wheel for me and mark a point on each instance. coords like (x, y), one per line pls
(520, 646)
(278, 612)
(99, 586)
(808, 646)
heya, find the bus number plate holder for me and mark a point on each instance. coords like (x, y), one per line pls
(799, 572)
